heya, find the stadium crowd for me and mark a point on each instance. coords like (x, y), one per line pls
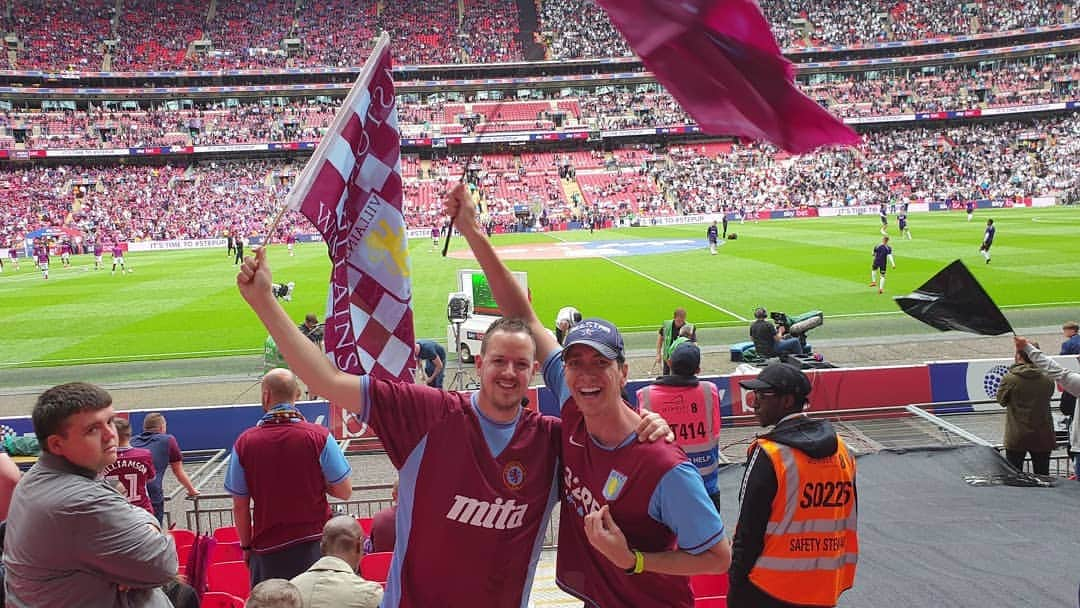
(1009, 159)
(255, 121)
(249, 34)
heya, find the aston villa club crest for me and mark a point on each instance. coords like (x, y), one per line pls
(514, 475)
(614, 485)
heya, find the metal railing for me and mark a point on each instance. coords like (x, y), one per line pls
(211, 511)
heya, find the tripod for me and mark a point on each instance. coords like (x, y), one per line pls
(460, 380)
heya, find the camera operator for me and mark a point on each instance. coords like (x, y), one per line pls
(433, 356)
(312, 329)
(769, 340)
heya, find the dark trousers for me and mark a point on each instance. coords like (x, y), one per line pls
(1040, 461)
(287, 563)
(159, 510)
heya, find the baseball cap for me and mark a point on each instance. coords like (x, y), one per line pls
(780, 377)
(600, 335)
(685, 359)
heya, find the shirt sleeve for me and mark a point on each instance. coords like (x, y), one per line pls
(681, 503)
(235, 481)
(120, 541)
(1069, 380)
(555, 377)
(403, 414)
(334, 465)
(174, 450)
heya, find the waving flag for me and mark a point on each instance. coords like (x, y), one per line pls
(953, 299)
(719, 59)
(350, 189)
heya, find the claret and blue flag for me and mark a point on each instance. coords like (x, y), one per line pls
(719, 59)
(351, 191)
(954, 299)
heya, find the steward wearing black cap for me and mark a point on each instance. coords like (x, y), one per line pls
(796, 543)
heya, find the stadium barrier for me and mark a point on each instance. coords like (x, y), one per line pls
(839, 389)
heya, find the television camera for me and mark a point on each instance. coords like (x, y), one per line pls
(799, 326)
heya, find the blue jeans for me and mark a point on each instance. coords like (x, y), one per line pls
(429, 368)
(1076, 466)
(789, 346)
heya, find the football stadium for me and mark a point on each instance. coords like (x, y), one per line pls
(710, 170)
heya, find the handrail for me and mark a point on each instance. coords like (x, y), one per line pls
(948, 426)
(214, 455)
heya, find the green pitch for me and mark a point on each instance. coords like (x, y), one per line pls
(184, 304)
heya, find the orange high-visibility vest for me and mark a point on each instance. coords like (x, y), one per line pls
(811, 542)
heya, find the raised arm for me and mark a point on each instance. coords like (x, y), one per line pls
(303, 356)
(1069, 380)
(512, 299)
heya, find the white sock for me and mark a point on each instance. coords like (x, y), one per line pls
(881, 284)
(985, 254)
(873, 276)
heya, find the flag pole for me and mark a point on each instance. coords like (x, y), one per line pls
(307, 175)
(465, 174)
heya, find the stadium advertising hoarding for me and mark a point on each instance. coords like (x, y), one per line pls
(944, 382)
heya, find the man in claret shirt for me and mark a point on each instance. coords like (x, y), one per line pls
(133, 469)
(477, 473)
(635, 520)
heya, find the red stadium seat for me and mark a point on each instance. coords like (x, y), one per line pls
(182, 554)
(182, 536)
(227, 552)
(715, 601)
(230, 577)
(709, 585)
(226, 535)
(375, 566)
(217, 599)
(365, 523)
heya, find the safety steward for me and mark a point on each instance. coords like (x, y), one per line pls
(692, 408)
(796, 543)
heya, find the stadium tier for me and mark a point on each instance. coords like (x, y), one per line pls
(978, 161)
(305, 116)
(143, 35)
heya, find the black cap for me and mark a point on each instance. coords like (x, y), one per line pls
(783, 378)
(685, 359)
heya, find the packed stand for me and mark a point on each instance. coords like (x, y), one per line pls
(836, 22)
(580, 29)
(61, 34)
(155, 35)
(138, 203)
(999, 161)
(248, 34)
(1010, 159)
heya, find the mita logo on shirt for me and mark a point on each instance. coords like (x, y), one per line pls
(482, 514)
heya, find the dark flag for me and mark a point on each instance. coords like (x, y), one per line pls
(719, 59)
(953, 299)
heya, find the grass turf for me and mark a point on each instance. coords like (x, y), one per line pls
(184, 303)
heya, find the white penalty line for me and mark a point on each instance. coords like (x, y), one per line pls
(667, 285)
(677, 290)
